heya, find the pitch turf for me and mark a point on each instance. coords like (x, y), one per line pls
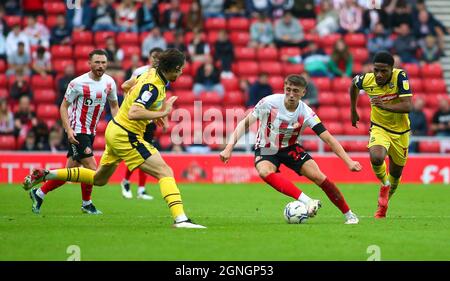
(244, 223)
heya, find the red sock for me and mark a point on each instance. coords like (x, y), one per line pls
(335, 195)
(51, 185)
(86, 191)
(277, 181)
(128, 174)
(142, 177)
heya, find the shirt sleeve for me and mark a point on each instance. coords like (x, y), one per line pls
(112, 96)
(358, 81)
(311, 118)
(403, 85)
(262, 108)
(147, 95)
(73, 92)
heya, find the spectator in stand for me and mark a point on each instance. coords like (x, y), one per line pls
(114, 54)
(6, 118)
(440, 124)
(173, 17)
(153, 40)
(79, 19)
(327, 19)
(311, 98)
(244, 88)
(208, 79)
(56, 141)
(425, 26)
(135, 64)
(14, 37)
(103, 17)
(194, 19)
(42, 63)
(179, 44)
(380, 41)
(350, 18)
(405, 44)
(341, 62)
(212, 8)
(4, 28)
(289, 32)
(30, 142)
(430, 51)
(41, 132)
(33, 7)
(224, 53)
(61, 32)
(12, 7)
(401, 15)
(24, 118)
(314, 59)
(21, 87)
(2, 47)
(259, 89)
(19, 61)
(126, 16)
(420, 6)
(37, 33)
(234, 8)
(198, 48)
(304, 9)
(279, 7)
(63, 82)
(148, 15)
(373, 17)
(418, 122)
(255, 7)
(261, 32)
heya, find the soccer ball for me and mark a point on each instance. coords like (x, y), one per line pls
(295, 212)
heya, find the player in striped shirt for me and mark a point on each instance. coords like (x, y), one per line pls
(81, 109)
(282, 118)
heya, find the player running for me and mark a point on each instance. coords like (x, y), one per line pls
(124, 138)
(391, 101)
(282, 118)
(81, 109)
(148, 135)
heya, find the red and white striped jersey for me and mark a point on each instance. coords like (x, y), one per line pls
(278, 127)
(87, 99)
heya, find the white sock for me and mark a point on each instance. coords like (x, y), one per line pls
(141, 189)
(181, 218)
(349, 214)
(125, 181)
(304, 198)
(40, 193)
(85, 203)
(387, 183)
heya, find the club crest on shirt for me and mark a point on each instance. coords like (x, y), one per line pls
(87, 150)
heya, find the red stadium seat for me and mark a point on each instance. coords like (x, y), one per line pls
(60, 65)
(435, 86)
(327, 98)
(355, 146)
(215, 24)
(342, 99)
(212, 36)
(3, 81)
(208, 98)
(51, 21)
(99, 142)
(411, 69)
(230, 84)
(44, 96)
(165, 142)
(271, 67)
(328, 113)
(313, 37)
(130, 50)
(310, 145)
(101, 127)
(7, 143)
(12, 20)
(289, 52)
(308, 24)
(4, 94)
(360, 54)
(183, 82)
(185, 97)
(362, 130)
(322, 83)
(355, 40)
(127, 38)
(429, 146)
(416, 84)
(234, 98)
(267, 54)
(169, 36)
(82, 51)
(335, 128)
(329, 40)
(246, 68)
(238, 24)
(289, 68)
(341, 84)
(244, 53)
(195, 66)
(81, 66)
(61, 52)
(239, 38)
(432, 70)
(42, 82)
(357, 67)
(48, 111)
(2, 66)
(55, 8)
(276, 82)
(100, 37)
(82, 38)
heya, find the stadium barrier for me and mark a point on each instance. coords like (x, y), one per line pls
(421, 168)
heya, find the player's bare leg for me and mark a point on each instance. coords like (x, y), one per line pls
(311, 170)
(268, 172)
(377, 158)
(158, 168)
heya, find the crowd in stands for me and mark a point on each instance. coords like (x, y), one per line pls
(224, 40)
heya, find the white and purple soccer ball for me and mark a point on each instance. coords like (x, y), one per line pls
(295, 212)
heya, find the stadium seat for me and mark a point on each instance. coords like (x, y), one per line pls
(238, 24)
(310, 145)
(416, 84)
(355, 146)
(432, 70)
(243, 68)
(429, 146)
(82, 51)
(412, 70)
(7, 142)
(165, 142)
(215, 24)
(211, 38)
(51, 21)
(355, 40)
(55, 8)
(267, 54)
(3, 81)
(342, 99)
(329, 40)
(210, 98)
(48, 111)
(130, 50)
(327, 98)
(362, 130)
(233, 98)
(313, 37)
(360, 55)
(244, 53)
(328, 113)
(435, 86)
(82, 38)
(290, 68)
(12, 20)
(169, 36)
(431, 100)
(335, 128)
(4, 94)
(230, 84)
(61, 52)
(307, 24)
(357, 67)
(81, 66)
(276, 82)
(195, 65)
(101, 127)
(100, 37)
(42, 82)
(99, 143)
(341, 84)
(43, 96)
(270, 67)
(239, 38)
(2, 66)
(183, 82)
(127, 38)
(289, 52)
(185, 97)
(322, 83)
(60, 65)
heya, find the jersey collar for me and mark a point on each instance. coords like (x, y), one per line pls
(161, 76)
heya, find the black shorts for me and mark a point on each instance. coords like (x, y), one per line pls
(82, 150)
(149, 132)
(293, 157)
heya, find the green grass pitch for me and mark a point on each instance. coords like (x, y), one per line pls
(244, 222)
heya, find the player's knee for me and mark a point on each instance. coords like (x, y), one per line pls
(166, 172)
(376, 160)
(264, 172)
(100, 181)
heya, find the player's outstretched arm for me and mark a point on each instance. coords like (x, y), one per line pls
(127, 85)
(354, 91)
(340, 152)
(241, 128)
(137, 112)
